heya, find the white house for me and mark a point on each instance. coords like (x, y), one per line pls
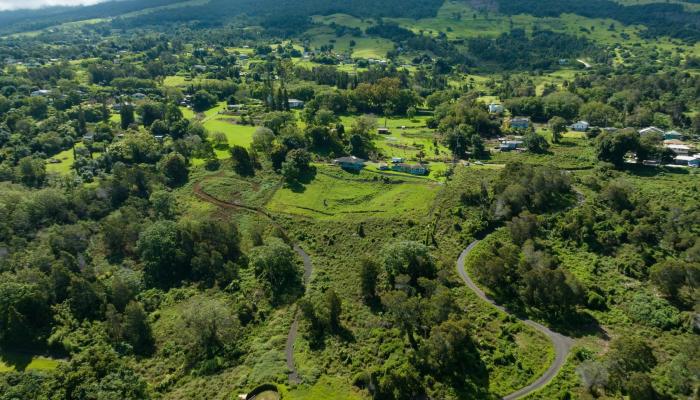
(40, 93)
(581, 126)
(294, 103)
(651, 130)
(679, 149)
(495, 108)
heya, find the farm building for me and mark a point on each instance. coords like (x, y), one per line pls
(383, 131)
(519, 123)
(679, 149)
(294, 103)
(652, 130)
(413, 169)
(581, 126)
(673, 135)
(509, 145)
(495, 108)
(396, 160)
(351, 163)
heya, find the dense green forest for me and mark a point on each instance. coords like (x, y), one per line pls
(350, 200)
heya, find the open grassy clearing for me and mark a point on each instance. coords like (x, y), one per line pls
(334, 193)
(365, 47)
(13, 361)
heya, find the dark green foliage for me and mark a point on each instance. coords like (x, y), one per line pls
(203, 251)
(516, 49)
(174, 168)
(612, 147)
(526, 187)
(203, 100)
(369, 275)
(535, 143)
(275, 266)
(242, 163)
(661, 19)
(126, 114)
(412, 259)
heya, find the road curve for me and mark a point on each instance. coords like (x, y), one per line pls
(294, 329)
(562, 344)
(293, 375)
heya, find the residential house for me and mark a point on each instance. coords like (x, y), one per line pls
(351, 163)
(673, 135)
(581, 126)
(652, 130)
(519, 123)
(383, 131)
(396, 160)
(510, 145)
(294, 103)
(689, 161)
(678, 149)
(40, 93)
(413, 169)
(495, 108)
(383, 167)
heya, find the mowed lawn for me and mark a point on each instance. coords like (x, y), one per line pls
(334, 193)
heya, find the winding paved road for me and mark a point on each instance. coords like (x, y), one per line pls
(308, 269)
(562, 344)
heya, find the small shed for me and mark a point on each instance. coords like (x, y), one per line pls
(383, 131)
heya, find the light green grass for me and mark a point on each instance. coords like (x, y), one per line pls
(20, 362)
(326, 388)
(334, 194)
(64, 167)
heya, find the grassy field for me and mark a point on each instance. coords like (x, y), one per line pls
(10, 361)
(365, 47)
(335, 194)
(66, 159)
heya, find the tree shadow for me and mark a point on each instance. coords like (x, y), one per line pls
(16, 359)
(299, 185)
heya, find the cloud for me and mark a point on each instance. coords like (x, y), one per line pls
(23, 4)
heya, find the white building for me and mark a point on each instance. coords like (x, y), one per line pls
(581, 126)
(651, 130)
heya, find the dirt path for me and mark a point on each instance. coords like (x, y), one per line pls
(308, 269)
(562, 344)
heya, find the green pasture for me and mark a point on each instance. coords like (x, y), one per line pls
(336, 194)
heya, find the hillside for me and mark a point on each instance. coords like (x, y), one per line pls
(397, 200)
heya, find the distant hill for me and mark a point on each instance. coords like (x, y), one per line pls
(213, 12)
(28, 20)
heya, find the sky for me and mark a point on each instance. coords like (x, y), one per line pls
(21, 4)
